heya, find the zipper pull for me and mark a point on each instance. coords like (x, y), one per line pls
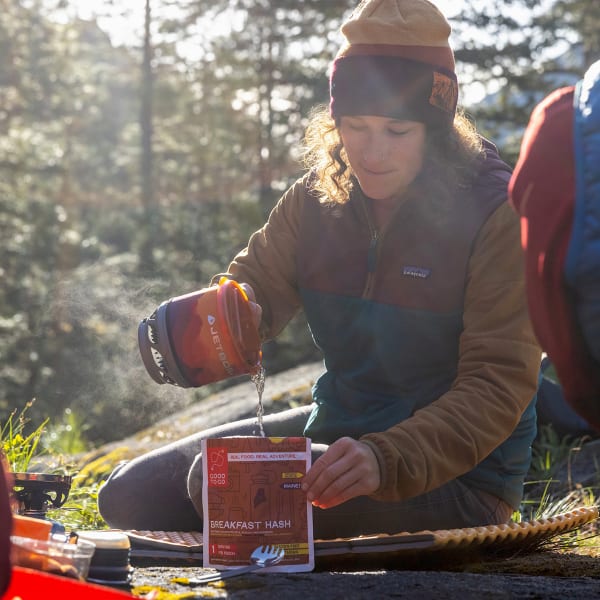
(372, 253)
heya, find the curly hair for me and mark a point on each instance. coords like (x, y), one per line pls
(450, 157)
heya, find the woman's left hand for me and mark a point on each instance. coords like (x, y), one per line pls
(255, 309)
(347, 469)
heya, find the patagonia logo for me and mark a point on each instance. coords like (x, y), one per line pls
(416, 272)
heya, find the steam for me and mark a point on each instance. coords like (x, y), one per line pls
(100, 375)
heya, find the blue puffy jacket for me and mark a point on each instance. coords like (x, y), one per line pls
(582, 265)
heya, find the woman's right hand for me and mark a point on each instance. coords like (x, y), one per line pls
(349, 468)
(255, 308)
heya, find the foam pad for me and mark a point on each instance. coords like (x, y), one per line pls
(165, 545)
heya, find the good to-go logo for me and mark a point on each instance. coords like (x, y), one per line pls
(217, 466)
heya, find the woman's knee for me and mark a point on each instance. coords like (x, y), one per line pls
(194, 484)
(112, 499)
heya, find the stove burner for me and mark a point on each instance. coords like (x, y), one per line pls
(38, 492)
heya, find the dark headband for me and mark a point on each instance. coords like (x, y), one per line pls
(394, 87)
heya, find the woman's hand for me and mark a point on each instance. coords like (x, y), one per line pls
(346, 470)
(255, 308)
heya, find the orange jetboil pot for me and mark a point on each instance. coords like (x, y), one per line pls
(202, 337)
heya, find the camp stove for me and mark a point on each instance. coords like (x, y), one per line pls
(37, 493)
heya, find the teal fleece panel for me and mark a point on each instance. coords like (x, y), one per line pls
(360, 391)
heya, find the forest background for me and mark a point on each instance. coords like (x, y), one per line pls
(132, 173)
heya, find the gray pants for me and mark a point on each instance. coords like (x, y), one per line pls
(162, 490)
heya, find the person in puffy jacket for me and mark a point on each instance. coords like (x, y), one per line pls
(400, 247)
(556, 189)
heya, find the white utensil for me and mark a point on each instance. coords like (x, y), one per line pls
(263, 556)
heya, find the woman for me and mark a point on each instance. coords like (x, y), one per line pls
(401, 249)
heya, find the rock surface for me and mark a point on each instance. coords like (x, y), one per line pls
(390, 583)
(236, 402)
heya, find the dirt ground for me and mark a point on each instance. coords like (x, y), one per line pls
(372, 585)
(541, 576)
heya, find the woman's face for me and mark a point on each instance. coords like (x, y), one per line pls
(385, 154)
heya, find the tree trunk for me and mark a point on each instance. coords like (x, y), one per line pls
(147, 156)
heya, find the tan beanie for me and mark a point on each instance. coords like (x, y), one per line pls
(396, 62)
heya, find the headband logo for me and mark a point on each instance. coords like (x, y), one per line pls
(444, 92)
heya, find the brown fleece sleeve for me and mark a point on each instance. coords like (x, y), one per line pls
(496, 379)
(268, 263)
